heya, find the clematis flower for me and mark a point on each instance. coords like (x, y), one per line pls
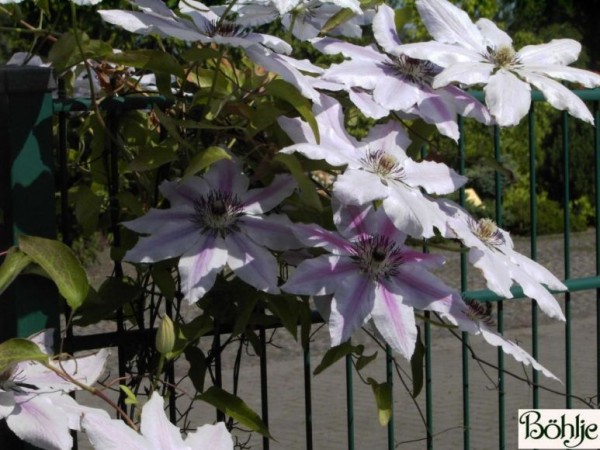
(379, 165)
(305, 19)
(398, 82)
(369, 275)
(492, 251)
(157, 433)
(34, 400)
(203, 25)
(77, 2)
(481, 53)
(216, 221)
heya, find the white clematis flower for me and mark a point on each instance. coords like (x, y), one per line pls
(481, 53)
(379, 165)
(157, 433)
(34, 400)
(492, 251)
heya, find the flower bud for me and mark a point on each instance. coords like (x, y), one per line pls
(165, 336)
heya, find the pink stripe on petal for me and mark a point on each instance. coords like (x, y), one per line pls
(261, 200)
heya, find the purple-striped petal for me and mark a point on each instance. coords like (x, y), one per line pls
(155, 219)
(184, 192)
(200, 266)
(395, 321)
(274, 231)
(227, 176)
(320, 275)
(173, 240)
(252, 263)
(351, 306)
(313, 235)
(262, 200)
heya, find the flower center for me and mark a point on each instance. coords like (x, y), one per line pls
(384, 165)
(501, 57)
(417, 71)
(218, 212)
(488, 232)
(377, 256)
(225, 28)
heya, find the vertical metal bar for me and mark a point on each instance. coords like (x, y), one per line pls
(349, 402)
(500, 304)
(264, 385)
(216, 349)
(389, 374)
(308, 398)
(31, 303)
(463, 288)
(533, 246)
(567, 255)
(428, 383)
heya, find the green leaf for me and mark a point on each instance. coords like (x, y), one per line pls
(163, 278)
(244, 312)
(131, 398)
(198, 54)
(383, 398)
(233, 406)
(62, 51)
(113, 294)
(17, 350)
(287, 309)
(204, 159)
(61, 265)
(152, 157)
(87, 209)
(172, 127)
(285, 91)
(336, 353)
(416, 365)
(153, 60)
(308, 191)
(337, 19)
(13, 265)
(363, 361)
(420, 134)
(197, 371)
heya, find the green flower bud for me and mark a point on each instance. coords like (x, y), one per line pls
(165, 336)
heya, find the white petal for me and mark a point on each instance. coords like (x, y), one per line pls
(395, 321)
(155, 219)
(537, 271)
(494, 36)
(351, 306)
(173, 240)
(319, 276)
(107, 434)
(497, 274)
(467, 105)
(252, 263)
(507, 97)
(74, 411)
(331, 46)
(435, 178)
(384, 28)
(156, 427)
(533, 289)
(273, 231)
(559, 96)
(313, 235)
(584, 77)
(371, 187)
(227, 175)
(450, 25)
(510, 348)
(367, 105)
(439, 111)
(557, 51)
(200, 265)
(274, 43)
(38, 422)
(213, 437)
(262, 200)
(413, 213)
(396, 94)
(390, 136)
(467, 73)
(443, 55)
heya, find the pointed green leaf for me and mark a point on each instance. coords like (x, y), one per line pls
(17, 350)
(112, 294)
(416, 365)
(308, 191)
(13, 265)
(234, 407)
(87, 209)
(244, 312)
(152, 157)
(383, 398)
(61, 265)
(205, 158)
(286, 308)
(336, 353)
(197, 371)
(163, 278)
(339, 18)
(130, 399)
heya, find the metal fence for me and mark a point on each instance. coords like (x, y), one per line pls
(30, 156)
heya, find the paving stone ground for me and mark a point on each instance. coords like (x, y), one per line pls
(286, 383)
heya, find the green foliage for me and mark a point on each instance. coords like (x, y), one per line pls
(17, 350)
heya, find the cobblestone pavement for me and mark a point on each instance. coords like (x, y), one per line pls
(286, 385)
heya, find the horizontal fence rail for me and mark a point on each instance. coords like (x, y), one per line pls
(432, 436)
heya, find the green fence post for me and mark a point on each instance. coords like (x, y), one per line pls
(26, 199)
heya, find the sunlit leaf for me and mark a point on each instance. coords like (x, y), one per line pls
(14, 263)
(336, 353)
(383, 398)
(17, 350)
(234, 407)
(416, 365)
(205, 158)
